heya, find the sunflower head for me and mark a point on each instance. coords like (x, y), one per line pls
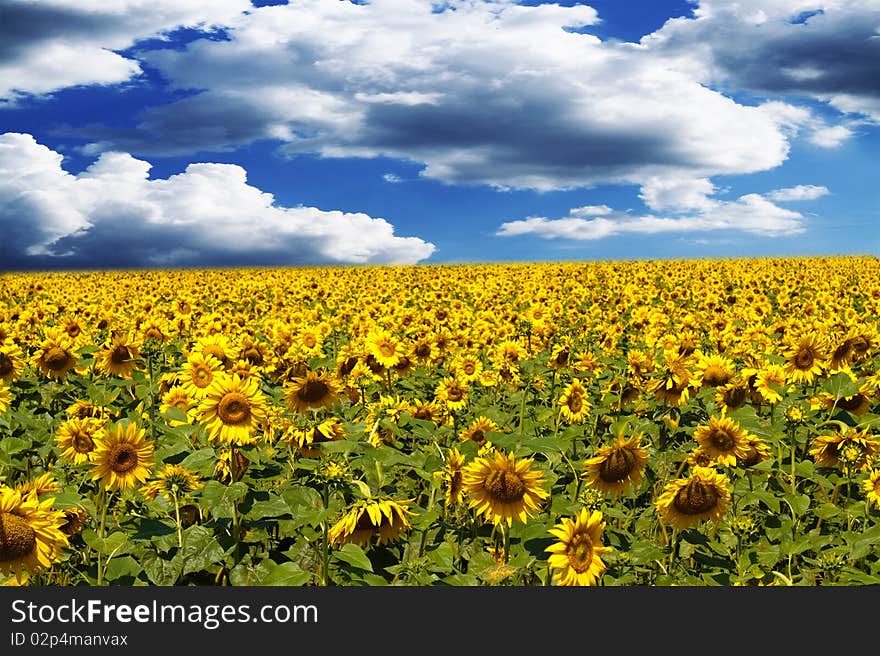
(502, 488)
(618, 467)
(685, 502)
(576, 556)
(30, 533)
(172, 482)
(382, 520)
(723, 440)
(313, 390)
(122, 457)
(232, 409)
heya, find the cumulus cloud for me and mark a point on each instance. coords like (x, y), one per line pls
(750, 213)
(825, 50)
(47, 45)
(113, 215)
(798, 192)
(477, 92)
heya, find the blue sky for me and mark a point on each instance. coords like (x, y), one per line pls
(228, 132)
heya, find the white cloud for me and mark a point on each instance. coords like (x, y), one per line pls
(113, 212)
(392, 178)
(798, 192)
(478, 92)
(751, 213)
(48, 45)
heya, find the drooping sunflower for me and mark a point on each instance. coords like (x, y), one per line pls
(476, 432)
(723, 439)
(576, 558)
(11, 362)
(427, 411)
(122, 457)
(56, 356)
(314, 390)
(573, 404)
(86, 409)
(172, 482)
(232, 409)
(805, 359)
(452, 476)
(685, 502)
(758, 451)
(382, 519)
(119, 357)
(198, 373)
(672, 381)
(43, 484)
(733, 395)
(851, 450)
(30, 533)
(617, 467)
(714, 370)
(329, 430)
(76, 438)
(871, 487)
(502, 488)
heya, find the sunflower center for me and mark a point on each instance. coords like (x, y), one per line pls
(715, 375)
(562, 358)
(310, 341)
(860, 345)
(5, 364)
(478, 436)
(695, 498)
(722, 440)
(455, 394)
(17, 538)
(83, 443)
(202, 377)
(253, 356)
(505, 486)
(386, 349)
(56, 358)
(580, 554)
(852, 403)
(617, 466)
(120, 354)
(423, 351)
(735, 397)
(313, 391)
(123, 457)
(575, 403)
(804, 358)
(234, 408)
(73, 330)
(843, 351)
(469, 368)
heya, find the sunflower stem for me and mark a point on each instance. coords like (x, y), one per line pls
(177, 518)
(325, 540)
(236, 521)
(103, 501)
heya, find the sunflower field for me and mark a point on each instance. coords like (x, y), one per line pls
(631, 423)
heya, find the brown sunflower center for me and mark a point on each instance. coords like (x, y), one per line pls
(402, 364)
(804, 358)
(715, 375)
(735, 397)
(386, 349)
(17, 538)
(313, 391)
(575, 403)
(253, 355)
(562, 358)
(56, 358)
(234, 408)
(469, 368)
(73, 330)
(722, 440)
(120, 354)
(617, 466)
(423, 350)
(6, 366)
(123, 457)
(478, 436)
(202, 377)
(82, 443)
(580, 553)
(505, 486)
(851, 403)
(843, 351)
(455, 393)
(695, 498)
(309, 340)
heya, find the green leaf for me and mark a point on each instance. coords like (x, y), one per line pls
(217, 498)
(274, 506)
(643, 553)
(201, 462)
(286, 574)
(442, 558)
(122, 566)
(840, 385)
(354, 556)
(200, 549)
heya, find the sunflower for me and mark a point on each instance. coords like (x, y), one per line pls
(733, 395)
(852, 450)
(714, 370)
(122, 457)
(43, 484)
(74, 521)
(223, 469)
(673, 380)
(177, 397)
(502, 488)
(30, 533)
(382, 519)
(119, 357)
(173, 482)
(452, 393)
(686, 502)
(56, 357)
(232, 409)
(560, 356)
(618, 467)
(467, 367)
(427, 411)
(329, 430)
(313, 390)
(758, 451)
(476, 432)
(724, 440)
(770, 383)
(576, 559)
(871, 487)
(573, 404)
(453, 478)
(382, 345)
(11, 362)
(85, 409)
(76, 438)
(218, 346)
(864, 342)
(805, 359)
(198, 373)
(5, 398)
